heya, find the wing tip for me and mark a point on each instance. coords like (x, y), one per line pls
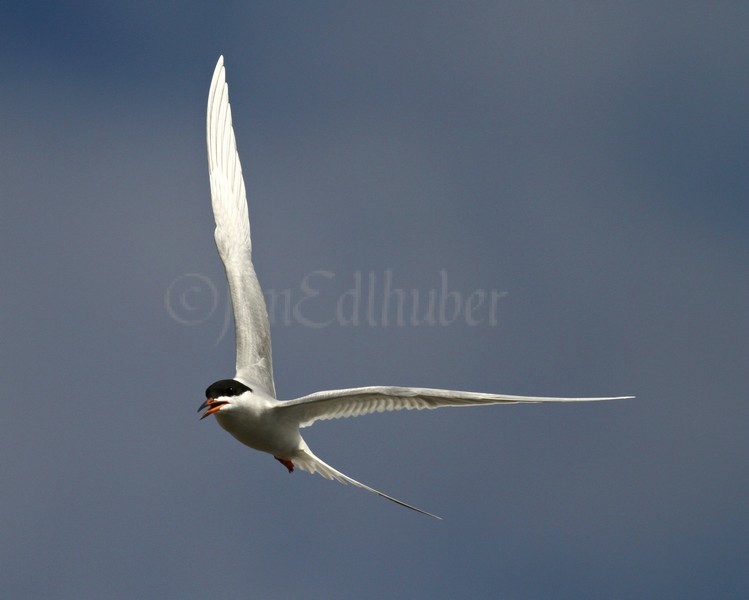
(218, 68)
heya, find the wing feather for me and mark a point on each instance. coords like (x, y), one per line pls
(232, 235)
(354, 402)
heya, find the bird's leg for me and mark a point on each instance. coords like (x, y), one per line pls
(286, 463)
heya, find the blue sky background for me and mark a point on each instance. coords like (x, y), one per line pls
(588, 159)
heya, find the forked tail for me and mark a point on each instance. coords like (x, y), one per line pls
(312, 464)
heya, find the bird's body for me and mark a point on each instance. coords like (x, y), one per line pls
(246, 405)
(257, 424)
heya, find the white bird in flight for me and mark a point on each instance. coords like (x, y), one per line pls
(246, 406)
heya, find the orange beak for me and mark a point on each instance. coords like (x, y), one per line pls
(212, 405)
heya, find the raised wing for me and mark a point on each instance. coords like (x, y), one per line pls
(335, 404)
(229, 200)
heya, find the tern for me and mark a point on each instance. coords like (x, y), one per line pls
(246, 405)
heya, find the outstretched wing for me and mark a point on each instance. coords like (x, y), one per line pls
(335, 404)
(254, 364)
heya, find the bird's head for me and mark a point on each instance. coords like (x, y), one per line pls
(219, 396)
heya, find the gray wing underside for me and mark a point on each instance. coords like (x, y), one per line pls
(232, 235)
(354, 402)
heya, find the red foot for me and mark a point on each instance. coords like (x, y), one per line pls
(286, 463)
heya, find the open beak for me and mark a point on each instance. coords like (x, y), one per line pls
(212, 406)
